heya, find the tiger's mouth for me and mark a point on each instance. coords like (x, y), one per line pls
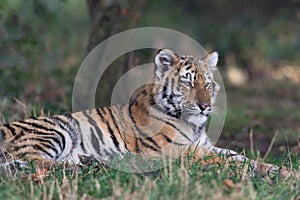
(196, 111)
(195, 117)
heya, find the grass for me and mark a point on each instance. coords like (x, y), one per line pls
(181, 180)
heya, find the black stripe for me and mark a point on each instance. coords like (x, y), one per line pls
(95, 142)
(111, 131)
(102, 110)
(189, 67)
(152, 100)
(171, 141)
(198, 129)
(205, 142)
(165, 109)
(121, 109)
(158, 107)
(23, 154)
(58, 120)
(43, 119)
(11, 129)
(94, 124)
(171, 113)
(55, 124)
(39, 148)
(68, 129)
(231, 155)
(2, 136)
(146, 136)
(164, 92)
(130, 110)
(82, 146)
(172, 83)
(76, 129)
(71, 121)
(143, 92)
(43, 141)
(169, 98)
(170, 102)
(47, 129)
(172, 125)
(108, 154)
(116, 124)
(62, 146)
(142, 133)
(65, 127)
(51, 147)
(18, 136)
(148, 145)
(137, 148)
(69, 115)
(35, 147)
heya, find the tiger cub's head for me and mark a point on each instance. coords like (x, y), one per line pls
(185, 85)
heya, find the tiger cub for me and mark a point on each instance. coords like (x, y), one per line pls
(164, 119)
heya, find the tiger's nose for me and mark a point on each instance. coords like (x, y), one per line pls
(203, 106)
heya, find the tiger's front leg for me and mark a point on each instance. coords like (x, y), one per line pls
(212, 155)
(256, 166)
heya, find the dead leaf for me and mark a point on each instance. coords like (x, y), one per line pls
(230, 184)
(284, 173)
(40, 175)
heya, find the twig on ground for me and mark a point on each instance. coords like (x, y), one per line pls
(271, 145)
(251, 142)
(26, 110)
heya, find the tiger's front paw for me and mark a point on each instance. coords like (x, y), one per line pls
(264, 169)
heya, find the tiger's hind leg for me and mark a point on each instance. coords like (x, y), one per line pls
(9, 165)
(40, 162)
(10, 168)
(44, 163)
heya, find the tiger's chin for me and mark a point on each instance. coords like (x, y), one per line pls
(198, 120)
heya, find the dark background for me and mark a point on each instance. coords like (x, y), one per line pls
(43, 42)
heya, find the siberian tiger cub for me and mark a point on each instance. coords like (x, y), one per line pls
(164, 119)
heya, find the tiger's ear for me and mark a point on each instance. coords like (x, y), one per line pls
(211, 60)
(164, 59)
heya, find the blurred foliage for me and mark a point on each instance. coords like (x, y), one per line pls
(43, 42)
(40, 48)
(264, 29)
